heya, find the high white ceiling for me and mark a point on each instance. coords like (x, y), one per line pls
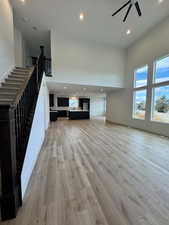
(99, 25)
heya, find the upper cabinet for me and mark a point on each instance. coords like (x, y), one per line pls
(63, 102)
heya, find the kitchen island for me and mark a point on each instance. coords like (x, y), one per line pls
(79, 114)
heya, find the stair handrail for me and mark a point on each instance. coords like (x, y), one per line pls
(15, 126)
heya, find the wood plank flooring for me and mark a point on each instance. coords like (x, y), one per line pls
(95, 173)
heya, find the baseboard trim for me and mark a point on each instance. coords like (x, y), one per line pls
(136, 128)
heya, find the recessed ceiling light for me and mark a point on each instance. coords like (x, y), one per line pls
(160, 1)
(23, 1)
(65, 87)
(84, 89)
(101, 90)
(128, 32)
(81, 16)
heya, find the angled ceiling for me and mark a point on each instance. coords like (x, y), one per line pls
(98, 25)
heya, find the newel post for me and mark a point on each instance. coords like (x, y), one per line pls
(34, 60)
(42, 50)
(9, 182)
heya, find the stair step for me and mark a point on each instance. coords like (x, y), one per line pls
(11, 81)
(3, 89)
(11, 85)
(21, 71)
(9, 88)
(5, 101)
(6, 98)
(21, 68)
(19, 74)
(15, 79)
(7, 94)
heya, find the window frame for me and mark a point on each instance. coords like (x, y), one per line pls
(154, 71)
(144, 86)
(136, 89)
(154, 86)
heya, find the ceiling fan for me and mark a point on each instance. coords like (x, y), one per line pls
(131, 3)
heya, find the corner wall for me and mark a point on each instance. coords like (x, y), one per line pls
(7, 60)
(153, 45)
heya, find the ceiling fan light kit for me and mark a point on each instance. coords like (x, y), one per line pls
(130, 4)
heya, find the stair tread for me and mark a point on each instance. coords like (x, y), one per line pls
(9, 87)
(15, 79)
(8, 95)
(7, 90)
(10, 83)
(13, 83)
(6, 99)
(19, 74)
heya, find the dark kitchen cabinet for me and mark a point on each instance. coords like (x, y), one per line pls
(53, 116)
(51, 100)
(63, 102)
(62, 113)
(84, 100)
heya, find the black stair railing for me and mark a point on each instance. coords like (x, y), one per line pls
(48, 67)
(15, 127)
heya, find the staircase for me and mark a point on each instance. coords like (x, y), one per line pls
(10, 88)
(18, 99)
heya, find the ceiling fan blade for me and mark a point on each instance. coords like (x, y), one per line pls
(138, 8)
(129, 8)
(121, 8)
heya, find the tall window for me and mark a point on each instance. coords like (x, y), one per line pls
(160, 106)
(140, 92)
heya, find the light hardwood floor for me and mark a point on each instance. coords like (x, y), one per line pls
(92, 173)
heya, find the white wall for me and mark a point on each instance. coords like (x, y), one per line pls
(7, 60)
(39, 126)
(27, 61)
(22, 53)
(86, 63)
(18, 47)
(97, 106)
(119, 104)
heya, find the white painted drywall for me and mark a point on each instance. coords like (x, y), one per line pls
(27, 60)
(7, 60)
(97, 106)
(153, 45)
(18, 47)
(80, 62)
(39, 126)
(22, 51)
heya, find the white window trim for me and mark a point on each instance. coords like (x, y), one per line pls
(156, 85)
(135, 89)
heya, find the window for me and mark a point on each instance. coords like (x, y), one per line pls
(161, 104)
(140, 104)
(160, 91)
(161, 73)
(140, 93)
(141, 77)
(73, 102)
